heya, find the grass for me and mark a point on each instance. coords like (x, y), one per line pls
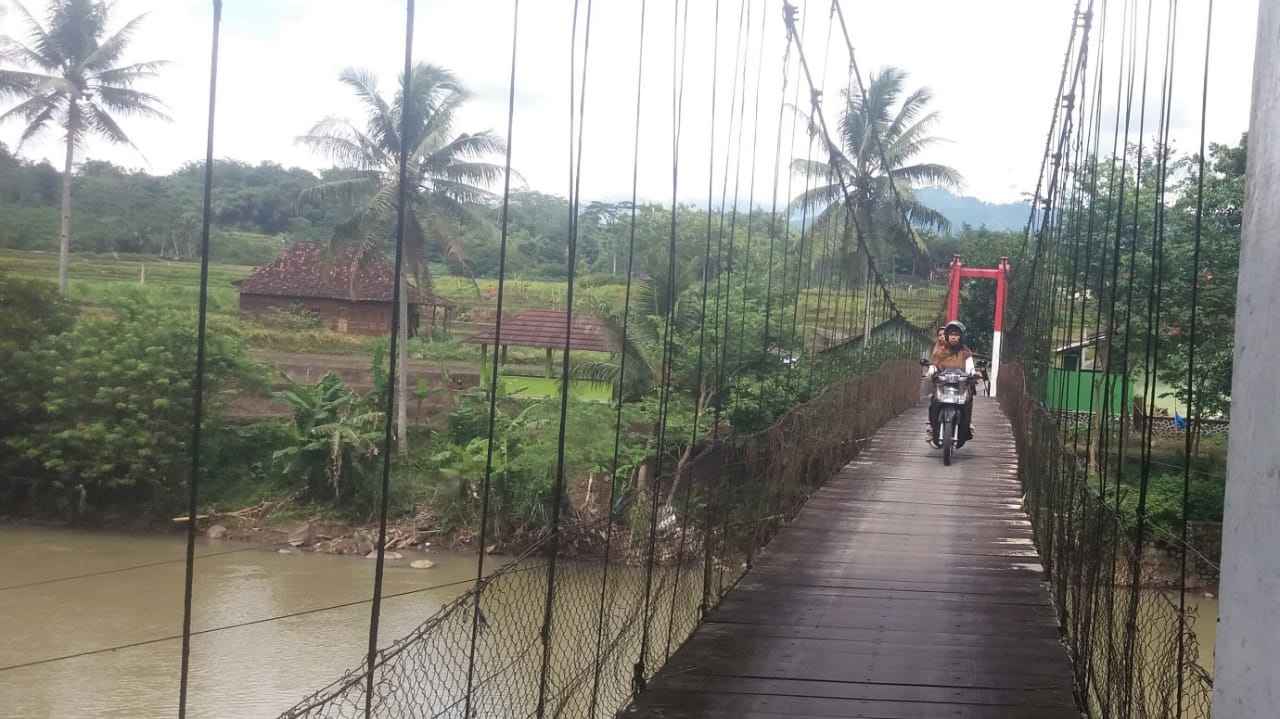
(542, 387)
(524, 294)
(120, 268)
(919, 304)
(97, 280)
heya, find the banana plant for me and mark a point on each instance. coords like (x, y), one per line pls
(334, 434)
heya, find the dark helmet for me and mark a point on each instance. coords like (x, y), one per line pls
(955, 326)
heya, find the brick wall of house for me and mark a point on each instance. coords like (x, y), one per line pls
(363, 318)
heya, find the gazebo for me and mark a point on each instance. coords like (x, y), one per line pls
(546, 329)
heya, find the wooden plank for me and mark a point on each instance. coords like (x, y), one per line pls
(667, 704)
(870, 692)
(903, 589)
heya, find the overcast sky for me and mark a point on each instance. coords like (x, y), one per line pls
(992, 65)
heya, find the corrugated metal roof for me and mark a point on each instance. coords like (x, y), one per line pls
(308, 270)
(545, 328)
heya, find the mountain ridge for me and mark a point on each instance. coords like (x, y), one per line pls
(964, 210)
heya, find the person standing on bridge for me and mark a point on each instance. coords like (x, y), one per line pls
(953, 354)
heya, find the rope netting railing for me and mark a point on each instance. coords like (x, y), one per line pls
(1131, 656)
(716, 510)
(1104, 243)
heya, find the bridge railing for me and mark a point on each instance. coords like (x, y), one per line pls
(576, 625)
(1131, 639)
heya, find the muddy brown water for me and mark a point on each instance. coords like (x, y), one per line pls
(254, 671)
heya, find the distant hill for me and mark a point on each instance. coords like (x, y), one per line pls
(975, 212)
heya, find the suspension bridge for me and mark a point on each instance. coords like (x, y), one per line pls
(827, 564)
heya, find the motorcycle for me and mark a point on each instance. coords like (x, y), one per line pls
(951, 389)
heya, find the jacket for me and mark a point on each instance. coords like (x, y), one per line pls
(945, 358)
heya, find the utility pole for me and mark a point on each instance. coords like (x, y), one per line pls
(1247, 681)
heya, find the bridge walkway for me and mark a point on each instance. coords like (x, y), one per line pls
(903, 589)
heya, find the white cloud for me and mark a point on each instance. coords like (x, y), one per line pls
(992, 66)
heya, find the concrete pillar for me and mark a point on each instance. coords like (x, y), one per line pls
(1247, 672)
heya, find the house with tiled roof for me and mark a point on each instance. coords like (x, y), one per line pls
(348, 290)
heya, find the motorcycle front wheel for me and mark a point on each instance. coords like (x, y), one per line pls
(948, 441)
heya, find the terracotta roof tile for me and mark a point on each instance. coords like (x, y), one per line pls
(307, 270)
(545, 328)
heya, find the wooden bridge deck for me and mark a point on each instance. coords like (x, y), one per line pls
(903, 589)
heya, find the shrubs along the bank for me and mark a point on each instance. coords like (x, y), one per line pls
(99, 414)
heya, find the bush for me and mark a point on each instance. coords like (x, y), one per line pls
(1164, 503)
(31, 310)
(470, 418)
(108, 406)
(239, 463)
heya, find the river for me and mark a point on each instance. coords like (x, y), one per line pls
(251, 671)
(254, 671)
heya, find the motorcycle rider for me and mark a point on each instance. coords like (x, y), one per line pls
(953, 355)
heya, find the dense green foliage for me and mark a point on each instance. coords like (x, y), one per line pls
(335, 435)
(30, 312)
(1218, 272)
(107, 407)
(255, 210)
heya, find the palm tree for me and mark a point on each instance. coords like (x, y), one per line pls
(72, 77)
(447, 175)
(904, 134)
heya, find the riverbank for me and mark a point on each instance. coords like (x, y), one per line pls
(273, 525)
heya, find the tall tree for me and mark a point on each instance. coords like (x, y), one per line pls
(70, 75)
(447, 175)
(902, 125)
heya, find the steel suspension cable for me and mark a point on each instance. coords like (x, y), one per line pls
(833, 151)
(128, 568)
(1104, 438)
(801, 264)
(1192, 397)
(804, 264)
(228, 627)
(1048, 140)
(702, 315)
(576, 123)
(730, 266)
(493, 374)
(773, 212)
(622, 365)
(813, 354)
(1059, 157)
(1132, 615)
(375, 611)
(1102, 302)
(1155, 291)
(916, 242)
(751, 193)
(1095, 149)
(197, 398)
(786, 226)
(679, 46)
